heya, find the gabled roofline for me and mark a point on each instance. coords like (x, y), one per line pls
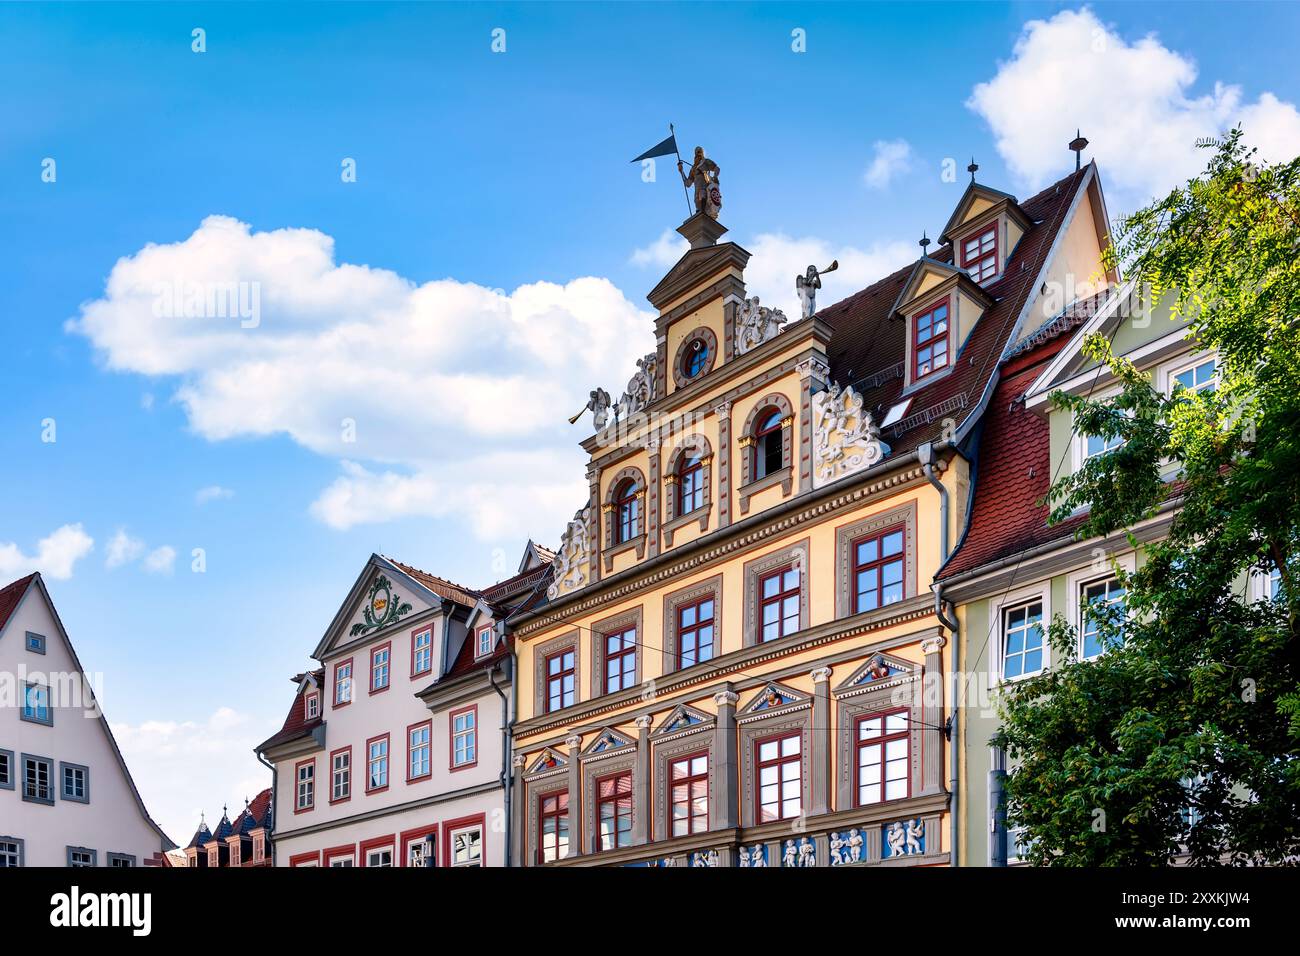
(1071, 349)
(38, 581)
(996, 195)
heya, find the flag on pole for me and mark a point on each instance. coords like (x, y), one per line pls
(667, 148)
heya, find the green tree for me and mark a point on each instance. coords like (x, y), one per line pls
(1183, 736)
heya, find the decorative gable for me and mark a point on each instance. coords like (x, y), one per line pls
(682, 718)
(608, 741)
(547, 761)
(773, 697)
(879, 670)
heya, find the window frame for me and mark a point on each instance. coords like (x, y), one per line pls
(700, 623)
(377, 845)
(1074, 584)
(760, 451)
(308, 699)
(1035, 594)
(7, 781)
(49, 764)
(350, 681)
(127, 859)
(416, 670)
(386, 649)
(19, 853)
(64, 767)
(1170, 370)
(548, 677)
(346, 851)
(93, 857)
(914, 339)
(452, 735)
(427, 727)
(777, 737)
(35, 718)
(628, 519)
(334, 772)
(36, 643)
(454, 827)
(878, 535)
(387, 759)
(409, 839)
(978, 235)
(488, 631)
(881, 741)
(689, 469)
(560, 813)
(779, 599)
(619, 800)
(298, 805)
(670, 784)
(620, 655)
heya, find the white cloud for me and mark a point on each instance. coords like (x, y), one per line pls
(892, 157)
(184, 768)
(663, 252)
(1134, 102)
(55, 554)
(122, 549)
(362, 364)
(778, 258)
(212, 493)
(160, 560)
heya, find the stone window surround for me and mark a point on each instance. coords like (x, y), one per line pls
(853, 704)
(550, 649)
(674, 600)
(610, 519)
(845, 535)
(750, 486)
(696, 740)
(796, 553)
(632, 617)
(754, 729)
(597, 768)
(694, 442)
(534, 791)
(680, 379)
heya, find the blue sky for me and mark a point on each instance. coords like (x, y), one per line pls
(503, 181)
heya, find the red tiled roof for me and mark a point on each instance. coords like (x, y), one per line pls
(867, 340)
(1013, 471)
(440, 586)
(296, 724)
(10, 595)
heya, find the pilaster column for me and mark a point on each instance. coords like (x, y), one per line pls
(726, 773)
(596, 530)
(577, 831)
(641, 802)
(654, 499)
(812, 374)
(518, 812)
(723, 459)
(821, 740)
(932, 695)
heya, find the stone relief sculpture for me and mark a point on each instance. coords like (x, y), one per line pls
(846, 438)
(709, 858)
(915, 830)
(856, 843)
(839, 853)
(571, 559)
(894, 838)
(807, 852)
(640, 388)
(806, 286)
(790, 857)
(905, 837)
(754, 856)
(756, 324)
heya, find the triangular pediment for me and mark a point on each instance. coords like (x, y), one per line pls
(547, 760)
(683, 718)
(878, 669)
(977, 202)
(931, 278)
(607, 741)
(382, 596)
(693, 268)
(773, 697)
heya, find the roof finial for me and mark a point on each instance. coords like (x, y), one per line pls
(924, 243)
(1078, 145)
(973, 168)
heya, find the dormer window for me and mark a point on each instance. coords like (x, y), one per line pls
(979, 254)
(484, 645)
(313, 706)
(930, 341)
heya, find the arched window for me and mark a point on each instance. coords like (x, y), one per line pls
(690, 484)
(627, 510)
(768, 438)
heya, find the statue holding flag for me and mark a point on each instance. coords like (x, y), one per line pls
(704, 177)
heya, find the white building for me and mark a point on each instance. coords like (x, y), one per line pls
(394, 745)
(66, 797)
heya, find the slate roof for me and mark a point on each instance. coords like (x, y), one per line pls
(869, 345)
(256, 814)
(201, 836)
